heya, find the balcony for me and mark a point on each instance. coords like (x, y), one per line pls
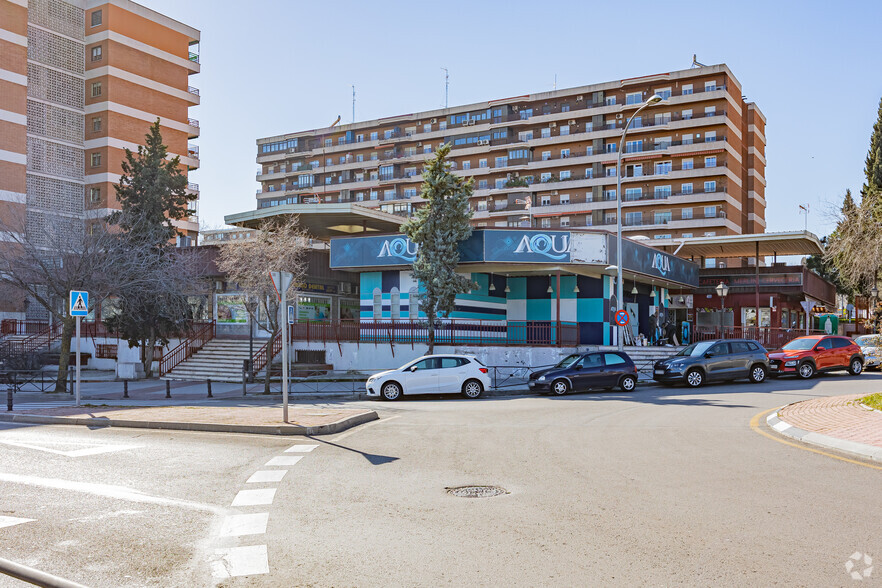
(194, 128)
(194, 91)
(193, 188)
(194, 57)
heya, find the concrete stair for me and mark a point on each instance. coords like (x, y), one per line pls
(645, 357)
(219, 360)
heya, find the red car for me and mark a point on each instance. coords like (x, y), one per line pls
(806, 356)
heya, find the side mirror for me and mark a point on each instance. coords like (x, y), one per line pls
(413, 368)
(708, 355)
(578, 366)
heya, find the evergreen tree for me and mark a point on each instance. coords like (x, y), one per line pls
(873, 166)
(437, 229)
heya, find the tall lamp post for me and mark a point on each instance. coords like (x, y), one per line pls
(722, 290)
(251, 307)
(654, 99)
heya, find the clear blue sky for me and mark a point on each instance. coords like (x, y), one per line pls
(274, 66)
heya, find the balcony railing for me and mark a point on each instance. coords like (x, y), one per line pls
(192, 90)
(193, 187)
(193, 150)
(194, 57)
(193, 122)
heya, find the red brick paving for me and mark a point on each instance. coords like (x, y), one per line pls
(837, 416)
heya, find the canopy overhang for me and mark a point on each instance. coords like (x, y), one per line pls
(324, 221)
(729, 246)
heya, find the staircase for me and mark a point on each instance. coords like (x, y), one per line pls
(219, 359)
(644, 357)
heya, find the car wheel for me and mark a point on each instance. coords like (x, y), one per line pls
(472, 389)
(694, 378)
(806, 370)
(560, 387)
(758, 374)
(391, 391)
(856, 367)
(628, 383)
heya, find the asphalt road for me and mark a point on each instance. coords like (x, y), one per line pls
(657, 487)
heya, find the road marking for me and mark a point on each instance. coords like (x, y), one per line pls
(12, 521)
(93, 450)
(284, 460)
(254, 497)
(781, 426)
(264, 476)
(300, 448)
(755, 425)
(364, 426)
(240, 561)
(244, 524)
(107, 491)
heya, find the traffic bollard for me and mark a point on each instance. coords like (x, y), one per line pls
(125, 388)
(9, 398)
(168, 389)
(208, 382)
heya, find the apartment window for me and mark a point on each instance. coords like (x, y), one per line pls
(611, 171)
(387, 134)
(710, 111)
(271, 188)
(482, 205)
(663, 118)
(637, 122)
(564, 198)
(359, 196)
(662, 217)
(710, 186)
(96, 89)
(96, 159)
(96, 53)
(564, 221)
(632, 194)
(526, 113)
(633, 218)
(427, 148)
(359, 177)
(386, 172)
(501, 161)
(661, 236)
(710, 86)
(589, 173)
(710, 161)
(96, 124)
(96, 18)
(373, 175)
(546, 133)
(374, 136)
(610, 100)
(687, 139)
(305, 181)
(609, 195)
(687, 114)
(482, 184)
(710, 262)
(546, 155)
(359, 138)
(661, 192)
(500, 183)
(544, 200)
(525, 135)
(633, 146)
(662, 143)
(564, 153)
(609, 218)
(315, 164)
(610, 123)
(329, 180)
(663, 168)
(710, 211)
(686, 235)
(710, 234)
(686, 214)
(565, 175)
(329, 161)
(589, 150)
(374, 156)
(359, 157)
(545, 223)
(665, 93)
(341, 140)
(589, 126)
(710, 136)
(342, 159)
(686, 188)
(564, 130)
(466, 165)
(545, 177)
(442, 125)
(94, 195)
(634, 98)
(686, 164)
(329, 142)
(687, 89)
(482, 163)
(610, 147)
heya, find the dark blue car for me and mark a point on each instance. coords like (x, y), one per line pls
(587, 371)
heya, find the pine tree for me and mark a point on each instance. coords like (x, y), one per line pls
(873, 166)
(437, 229)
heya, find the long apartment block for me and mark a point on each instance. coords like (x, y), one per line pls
(80, 81)
(692, 165)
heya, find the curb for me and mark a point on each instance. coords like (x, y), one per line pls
(328, 429)
(817, 439)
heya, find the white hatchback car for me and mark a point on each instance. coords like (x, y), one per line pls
(432, 374)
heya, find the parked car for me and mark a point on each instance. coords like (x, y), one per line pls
(603, 369)
(719, 360)
(871, 347)
(806, 356)
(432, 374)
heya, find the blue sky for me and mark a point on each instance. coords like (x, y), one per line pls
(274, 66)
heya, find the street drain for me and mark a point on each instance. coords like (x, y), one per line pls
(476, 491)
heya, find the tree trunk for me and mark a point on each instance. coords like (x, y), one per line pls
(431, 333)
(69, 325)
(269, 363)
(148, 355)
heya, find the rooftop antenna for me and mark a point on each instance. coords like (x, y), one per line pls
(353, 103)
(446, 85)
(555, 81)
(695, 62)
(805, 210)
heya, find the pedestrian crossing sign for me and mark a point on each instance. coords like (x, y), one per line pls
(79, 303)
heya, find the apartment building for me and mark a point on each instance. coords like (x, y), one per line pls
(81, 80)
(692, 165)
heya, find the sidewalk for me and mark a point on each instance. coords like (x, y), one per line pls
(835, 422)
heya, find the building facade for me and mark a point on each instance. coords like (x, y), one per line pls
(80, 81)
(693, 165)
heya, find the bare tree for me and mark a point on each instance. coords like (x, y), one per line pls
(277, 246)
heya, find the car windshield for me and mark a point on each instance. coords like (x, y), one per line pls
(869, 341)
(800, 344)
(695, 349)
(568, 361)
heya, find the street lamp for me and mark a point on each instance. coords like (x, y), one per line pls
(251, 307)
(722, 290)
(874, 292)
(654, 99)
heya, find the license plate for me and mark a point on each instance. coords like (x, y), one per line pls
(774, 367)
(659, 372)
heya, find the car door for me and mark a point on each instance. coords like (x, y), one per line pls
(825, 356)
(422, 377)
(719, 364)
(842, 351)
(450, 374)
(741, 359)
(588, 372)
(614, 368)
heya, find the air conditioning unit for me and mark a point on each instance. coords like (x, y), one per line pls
(420, 144)
(554, 192)
(515, 107)
(579, 98)
(434, 120)
(471, 122)
(620, 115)
(553, 125)
(465, 123)
(517, 174)
(571, 122)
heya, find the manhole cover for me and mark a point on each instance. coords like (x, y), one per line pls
(476, 491)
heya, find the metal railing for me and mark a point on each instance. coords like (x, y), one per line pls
(265, 355)
(22, 327)
(193, 122)
(769, 337)
(202, 333)
(194, 57)
(192, 90)
(33, 343)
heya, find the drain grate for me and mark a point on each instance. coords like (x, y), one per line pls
(476, 491)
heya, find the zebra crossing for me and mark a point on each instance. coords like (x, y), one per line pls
(38, 405)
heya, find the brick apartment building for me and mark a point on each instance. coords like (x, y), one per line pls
(80, 81)
(693, 164)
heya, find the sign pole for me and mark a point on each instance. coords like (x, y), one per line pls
(283, 319)
(79, 319)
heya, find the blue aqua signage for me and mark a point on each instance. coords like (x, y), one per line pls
(527, 246)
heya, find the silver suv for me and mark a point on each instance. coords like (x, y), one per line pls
(719, 360)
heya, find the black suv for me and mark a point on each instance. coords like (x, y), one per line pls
(719, 360)
(602, 369)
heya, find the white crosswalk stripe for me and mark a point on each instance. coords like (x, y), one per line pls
(38, 405)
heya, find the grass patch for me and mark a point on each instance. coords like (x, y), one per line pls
(873, 400)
